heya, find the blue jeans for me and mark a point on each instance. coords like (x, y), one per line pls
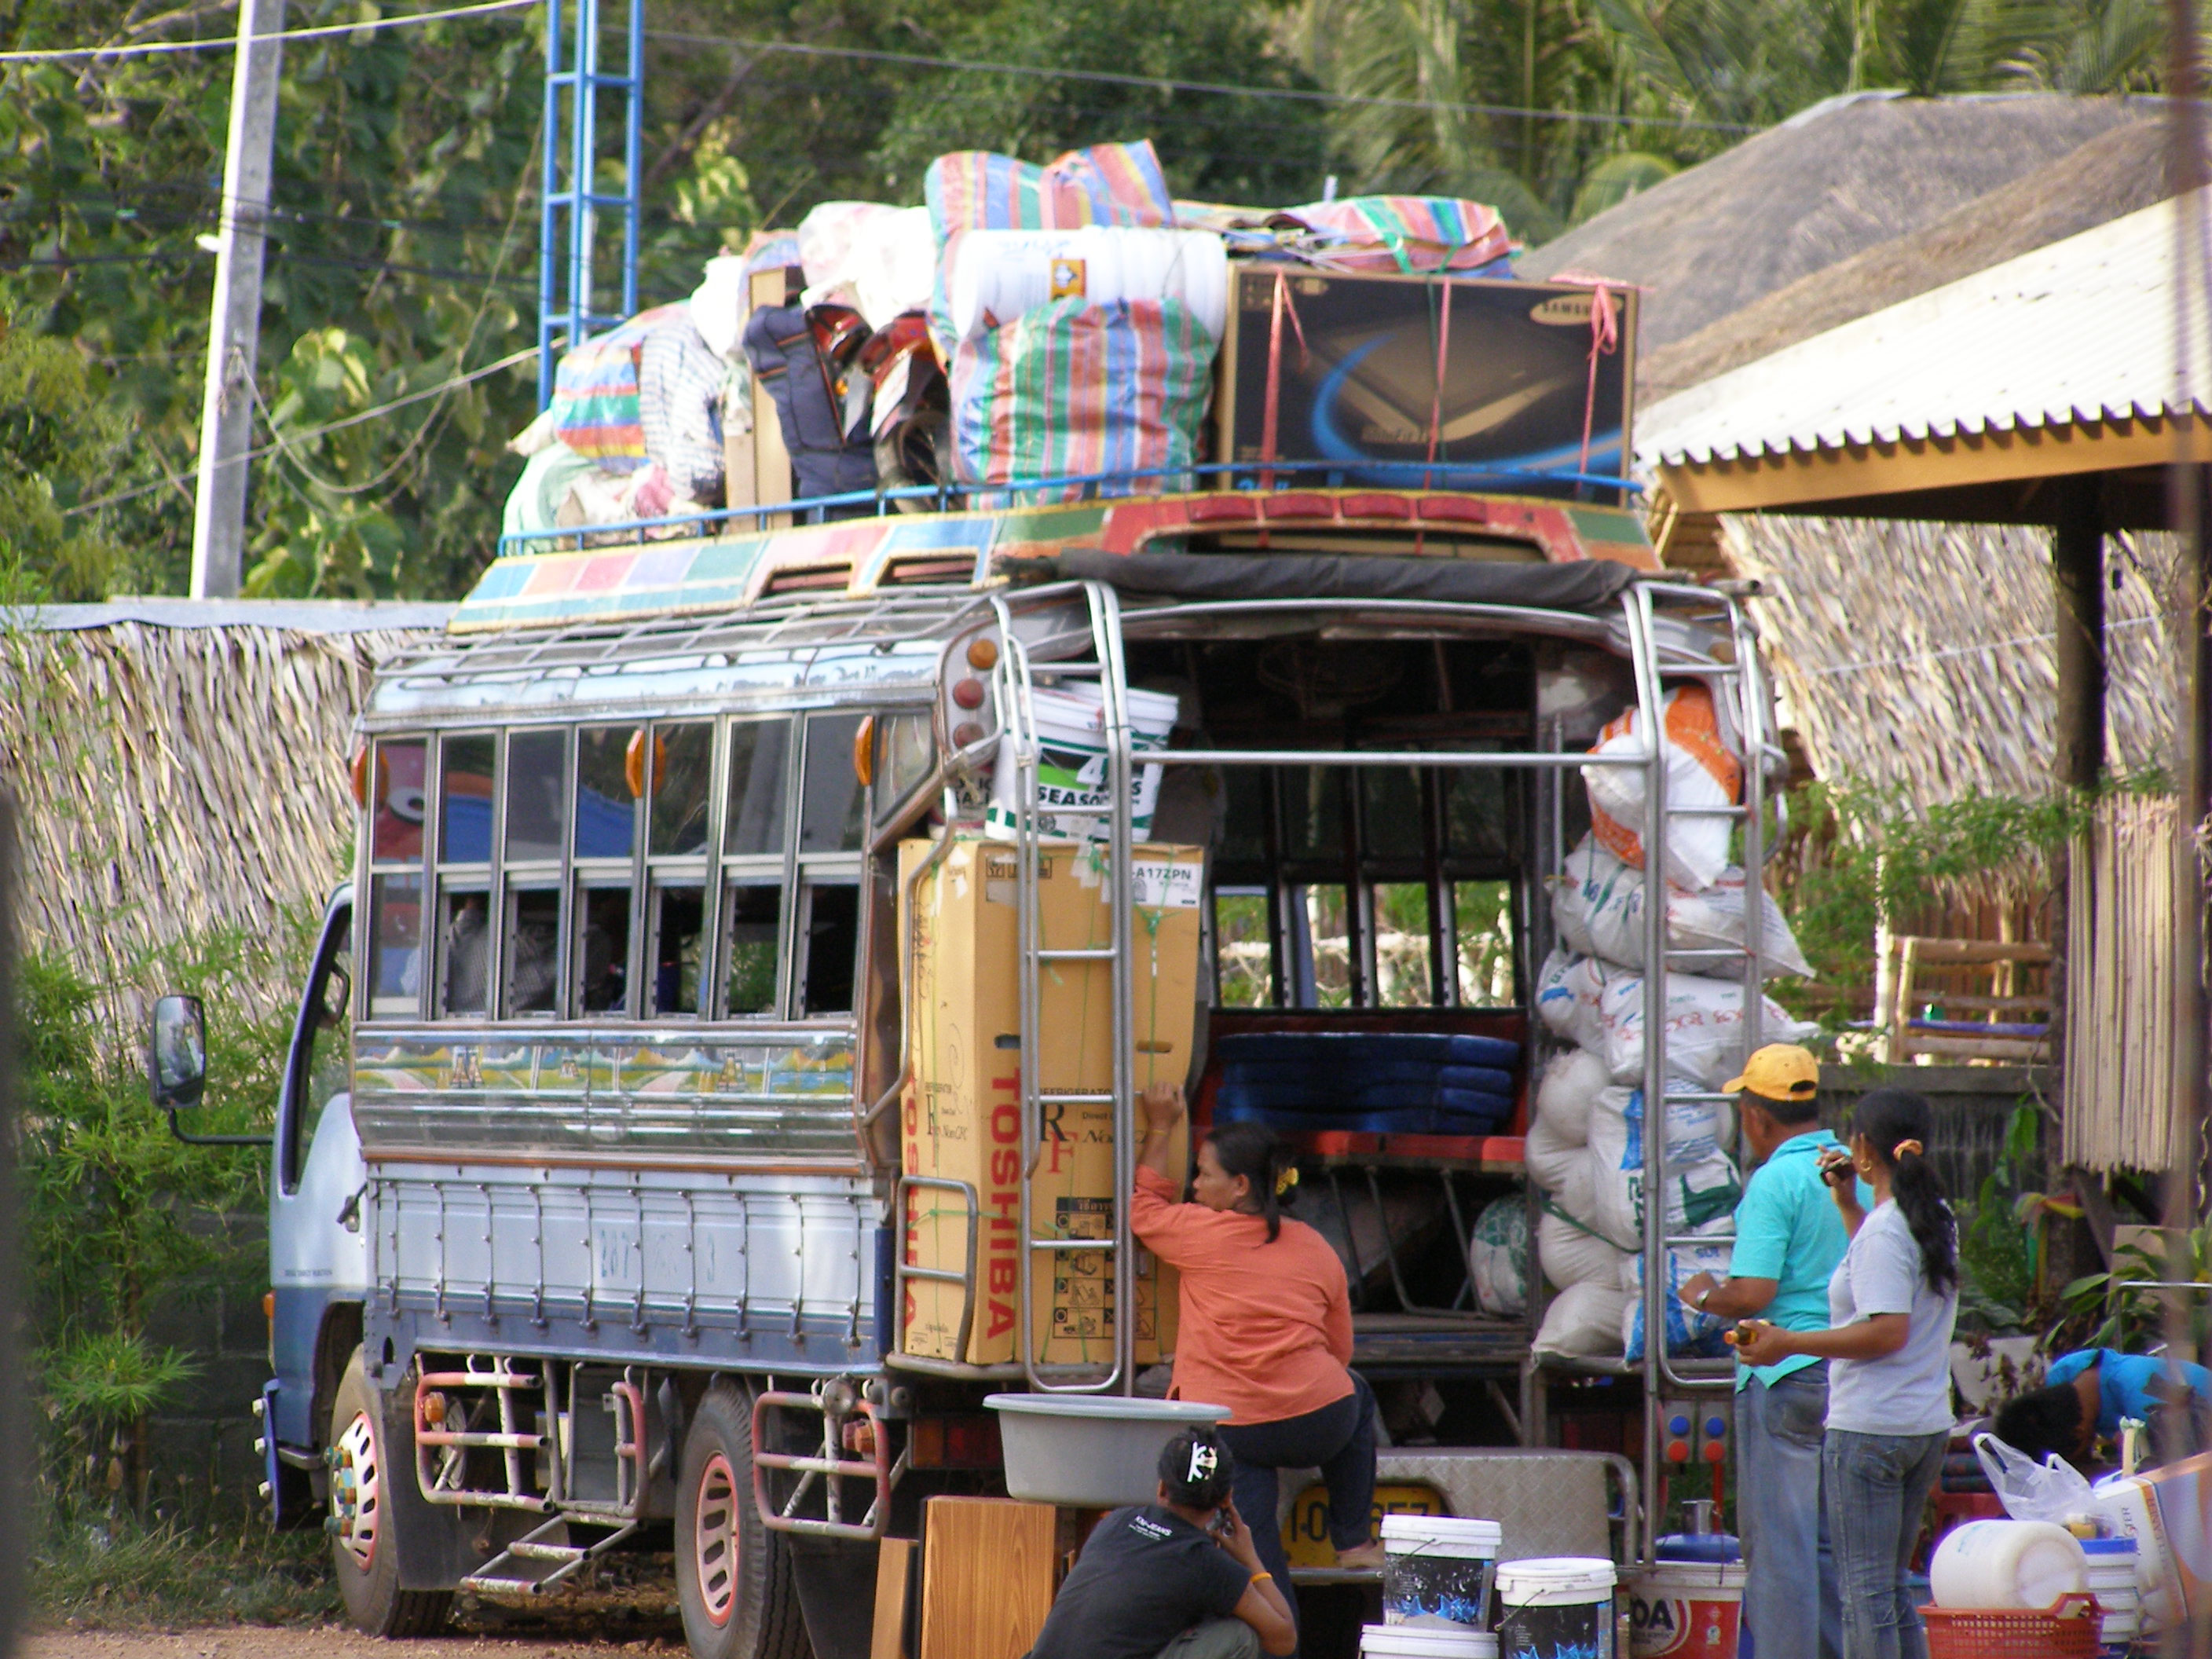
(1877, 1490)
(1784, 1525)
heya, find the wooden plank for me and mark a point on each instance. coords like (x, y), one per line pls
(2012, 1048)
(894, 1587)
(1966, 950)
(771, 460)
(987, 1577)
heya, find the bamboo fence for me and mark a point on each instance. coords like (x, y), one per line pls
(2120, 1087)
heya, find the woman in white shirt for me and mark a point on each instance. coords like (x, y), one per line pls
(1891, 1306)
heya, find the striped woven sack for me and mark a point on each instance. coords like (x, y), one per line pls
(1072, 389)
(977, 189)
(595, 404)
(1409, 234)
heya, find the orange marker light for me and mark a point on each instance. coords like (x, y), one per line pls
(982, 653)
(863, 752)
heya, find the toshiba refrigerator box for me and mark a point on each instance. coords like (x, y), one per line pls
(2168, 1512)
(962, 1116)
(1418, 382)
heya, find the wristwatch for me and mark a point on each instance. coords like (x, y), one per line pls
(1699, 1304)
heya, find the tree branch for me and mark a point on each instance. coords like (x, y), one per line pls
(715, 108)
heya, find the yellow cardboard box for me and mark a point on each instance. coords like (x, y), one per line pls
(961, 1117)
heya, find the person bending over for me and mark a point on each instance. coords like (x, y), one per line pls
(1266, 1328)
(2092, 1389)
(1178, 1578)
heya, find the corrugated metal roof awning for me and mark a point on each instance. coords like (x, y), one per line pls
(2060, 362)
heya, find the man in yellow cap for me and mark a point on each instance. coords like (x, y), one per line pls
(1789, 1239)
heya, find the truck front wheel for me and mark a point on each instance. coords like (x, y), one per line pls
(364, 1549)
(734, 1576)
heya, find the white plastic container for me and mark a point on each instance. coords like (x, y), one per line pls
(2011, 1564)
(1071, 722)
(1438, 1641)
(1090, 1451)
(1557, 1607)
(1438, 1567)
(1686, 1610)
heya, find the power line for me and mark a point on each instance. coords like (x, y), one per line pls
(1164, 83)
(443, 386)
(148, 49)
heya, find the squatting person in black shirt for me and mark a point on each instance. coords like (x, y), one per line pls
(1177, 1579)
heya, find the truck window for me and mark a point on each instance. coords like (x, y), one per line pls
(903, 757)
(684, 759)
(467, 774)
(601, 949)
(760, 751)
(606, 806)
(533, 951)
(536, 795)
(675, 949)
(754, 910)
(394, 809)
(322, 1046)
(831, 803)
(830, 934)
(1244, 951)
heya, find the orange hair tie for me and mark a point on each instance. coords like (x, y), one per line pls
(1905, 1146)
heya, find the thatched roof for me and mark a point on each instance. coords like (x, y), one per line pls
(2114, 174)
(172, 778)
(1832, 182)
(1918, 657)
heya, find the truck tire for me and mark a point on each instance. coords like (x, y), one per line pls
(733, 1577)
(364, 1555)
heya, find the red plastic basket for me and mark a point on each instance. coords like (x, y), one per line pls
(2067, 1628)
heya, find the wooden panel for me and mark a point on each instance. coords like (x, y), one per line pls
(987, 1577)
(771, 460)
(894, 1586)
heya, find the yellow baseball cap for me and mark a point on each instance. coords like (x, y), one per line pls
(1780, 1071)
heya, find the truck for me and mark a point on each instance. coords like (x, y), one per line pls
(599, 1177)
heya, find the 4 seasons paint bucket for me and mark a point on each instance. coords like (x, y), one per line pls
(1556, 1607)
(1071, 796)
(1686, 1610)
(1435, 1566)
(1438, 1641)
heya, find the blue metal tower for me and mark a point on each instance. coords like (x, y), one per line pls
(576, 204)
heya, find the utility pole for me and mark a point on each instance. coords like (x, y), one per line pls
(235, 320)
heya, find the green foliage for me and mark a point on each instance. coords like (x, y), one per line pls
(1216, 147)
(120, 1218)
(117, 1571)
(1876, 854)
(1996, 1241)
(2133, 1320)
(58, 442)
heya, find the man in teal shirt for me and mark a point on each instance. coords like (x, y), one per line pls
(1789, 1238)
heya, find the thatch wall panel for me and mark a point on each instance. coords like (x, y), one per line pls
(175, 781)
(1918, 658)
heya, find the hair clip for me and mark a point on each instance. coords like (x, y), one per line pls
(1284, 1182)
(1905, 1146)
(1204, 1460)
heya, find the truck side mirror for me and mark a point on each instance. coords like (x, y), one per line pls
(178, 1053)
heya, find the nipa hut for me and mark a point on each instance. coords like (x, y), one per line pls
(180, 768)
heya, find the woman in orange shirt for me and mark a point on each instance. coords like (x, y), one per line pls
(1266, 1326)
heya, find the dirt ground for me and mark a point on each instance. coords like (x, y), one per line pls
(588, 1626)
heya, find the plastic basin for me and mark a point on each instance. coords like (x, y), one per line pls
(1090, 1451)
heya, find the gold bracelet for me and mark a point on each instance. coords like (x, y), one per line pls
(1262, 1573)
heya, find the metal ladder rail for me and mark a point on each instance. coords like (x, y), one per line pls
(1017, 718)
(565, 325)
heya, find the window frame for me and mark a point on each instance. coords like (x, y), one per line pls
(371, 871)
(727, 870)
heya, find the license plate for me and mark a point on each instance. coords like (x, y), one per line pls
(1306, 1529)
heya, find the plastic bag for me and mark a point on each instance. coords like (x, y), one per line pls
(1569, 1092)
(1499, 1254)
(1700, 773)
(1704, 1027)
(1583, 1319)
(1598, 905)
(2050, 1490)
(1568, 987)
(1689, 1333)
